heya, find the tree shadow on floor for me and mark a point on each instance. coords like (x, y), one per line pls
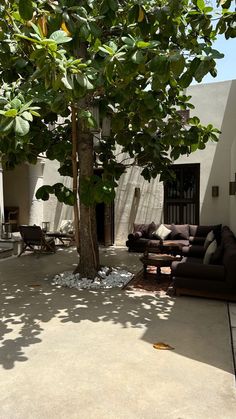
(196, 328)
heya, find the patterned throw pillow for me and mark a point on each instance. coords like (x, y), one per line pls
(162, 232)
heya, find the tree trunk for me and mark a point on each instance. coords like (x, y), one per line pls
(88, 245)
(75, 171)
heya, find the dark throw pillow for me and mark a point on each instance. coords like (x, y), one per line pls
(141, 228)
(179, 231)
(217, 257)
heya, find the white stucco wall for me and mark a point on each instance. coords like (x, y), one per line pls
(214, 104)
(53, 210)
(16, 191)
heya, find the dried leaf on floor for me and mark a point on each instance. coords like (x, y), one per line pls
(162, 345)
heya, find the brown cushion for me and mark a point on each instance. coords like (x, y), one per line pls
(179, 231)
(201, 231)
(142, 228)
(151, 229)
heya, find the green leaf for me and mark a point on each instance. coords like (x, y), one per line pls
(26, 9)
(22, 126)
(43, 192)
(11, 113)
(60, 37)
(35, 113)
(27, 115)
(201, 4)
(84, 81)
(138, 57)
(16, 103)
(194, 120)
(6, 125)
(107, 50)
(177, 64)
(3, 100)
(67, 83)
(113, 4)
(186, 79)
(142, 44)
(128, 41)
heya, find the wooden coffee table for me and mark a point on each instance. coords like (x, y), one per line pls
(159, 260)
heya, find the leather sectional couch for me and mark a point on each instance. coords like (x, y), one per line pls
(217, 278)
(208, 265)
(190, 237)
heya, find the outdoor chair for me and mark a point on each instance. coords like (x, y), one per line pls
(65, 235)
(35, 240)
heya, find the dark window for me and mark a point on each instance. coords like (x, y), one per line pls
(181, 195)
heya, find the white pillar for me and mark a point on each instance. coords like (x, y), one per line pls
(35, 205)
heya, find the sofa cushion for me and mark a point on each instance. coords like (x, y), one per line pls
(217, 257)
(179, 231)
(141, 228)
(199, 231)
(151, 229)
(144, 230)
(209, 238)
(209, 252)
(162, 232)
(194, 250)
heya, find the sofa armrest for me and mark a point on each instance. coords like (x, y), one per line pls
(135, 236)
(198, 270)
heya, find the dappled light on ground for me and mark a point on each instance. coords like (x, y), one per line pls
(31, 306)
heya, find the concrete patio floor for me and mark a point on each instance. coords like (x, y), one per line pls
(88, 354)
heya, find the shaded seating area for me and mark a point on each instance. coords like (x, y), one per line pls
(35, 240)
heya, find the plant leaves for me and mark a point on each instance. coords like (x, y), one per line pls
(22, 126)
(11, 113)
(26, 9)
(60, 37)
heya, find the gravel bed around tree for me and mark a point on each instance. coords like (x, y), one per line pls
(106, 278)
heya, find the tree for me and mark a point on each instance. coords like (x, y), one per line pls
(131, 59)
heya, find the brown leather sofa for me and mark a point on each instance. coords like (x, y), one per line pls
(215, 279)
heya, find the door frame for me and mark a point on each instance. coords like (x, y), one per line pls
(182, 201)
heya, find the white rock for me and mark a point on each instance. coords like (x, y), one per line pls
(116, 278)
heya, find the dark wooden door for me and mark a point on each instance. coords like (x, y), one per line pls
(181, 195)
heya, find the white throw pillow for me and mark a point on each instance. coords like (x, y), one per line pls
(163, 232)
(209, 252)
(67, 226)
(209, 238)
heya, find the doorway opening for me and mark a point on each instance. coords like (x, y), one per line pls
(105, 220)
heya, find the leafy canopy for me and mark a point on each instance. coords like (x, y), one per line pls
(132, 59)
